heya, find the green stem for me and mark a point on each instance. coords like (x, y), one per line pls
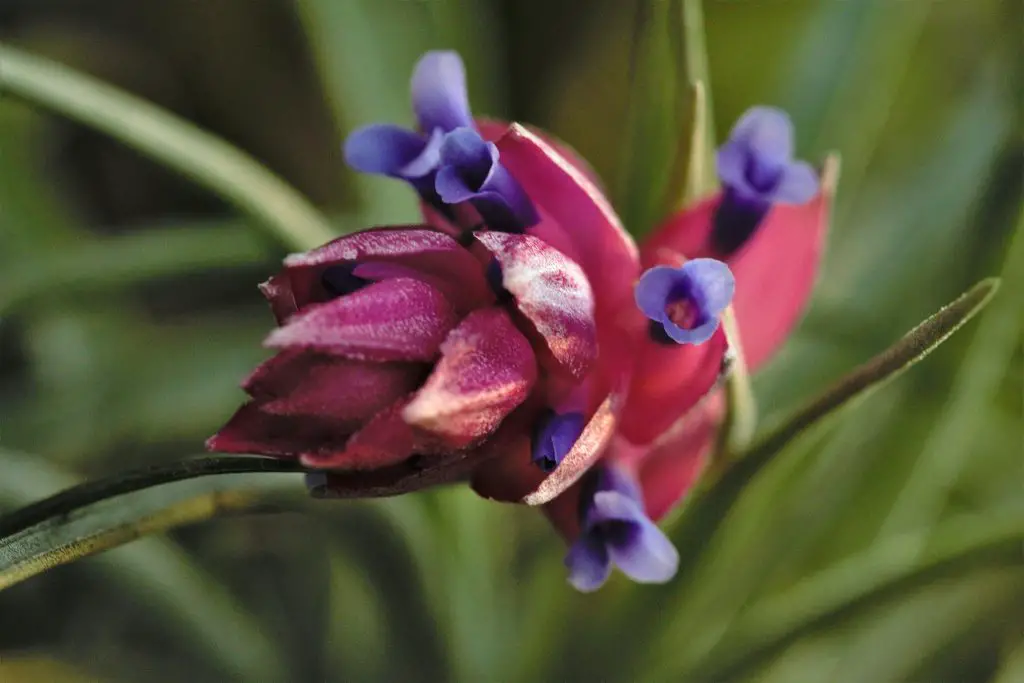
(167, 517)
(65, 503)
(168, 139)
(708, 505)
(191, 604)
(741, 415)
(697, 72)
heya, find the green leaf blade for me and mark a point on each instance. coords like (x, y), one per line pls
(155, 570)
(881, 369)
(709, 506)
(168, 139)
(668, 159)
(96, 516)
(960, 545)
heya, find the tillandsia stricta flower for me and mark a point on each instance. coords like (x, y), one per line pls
(415, 355)
(397, 359)
(447, 160)
(615, 529)
(757, 169)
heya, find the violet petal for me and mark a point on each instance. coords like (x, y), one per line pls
(470, 172)
(798, 184)
(706, 285)
(588, 563)
(644, 554)
(393, 151)
(765, 131)
(612, 507)
(467, 163)
(731, 163)
(439, 95)
(554, 436)
(653, 290)
(615, 478)
(712, 284)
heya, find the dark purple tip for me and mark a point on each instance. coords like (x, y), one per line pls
(340, 280)
(554, 437)
(467, 164)
(496, 280)
(470, 171)
(686, 302)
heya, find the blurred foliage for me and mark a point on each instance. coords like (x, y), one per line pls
(128, 314)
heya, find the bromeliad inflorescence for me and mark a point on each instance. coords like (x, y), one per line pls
(519, 339)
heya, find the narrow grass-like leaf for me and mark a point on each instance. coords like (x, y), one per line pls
(700, 155)
(652, 119)
(708, 506)
(1012, 669)
(885, 367)
(37, 669)
(357, 636)
(847, 73)
(32, 216)
(96, 516)
(740, 422)
(366, 84)
(910, 632)
(470, 587)
(125, 260)
(693, 175)
(668, 151)
(168, 139)
(959, 545)
(948, 449)
(205, 614)
(926, 621)
(473, 29)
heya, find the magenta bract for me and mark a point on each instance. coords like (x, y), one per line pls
(393, 344)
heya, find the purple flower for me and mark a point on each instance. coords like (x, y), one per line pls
(684, 304)
(446, 160)
(616, 530)
(554, 437)
(470, 172)
(756, 167)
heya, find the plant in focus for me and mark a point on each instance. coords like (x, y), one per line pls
(518, 339)
(522, 338)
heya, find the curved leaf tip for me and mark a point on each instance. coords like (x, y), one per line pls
(888, 365)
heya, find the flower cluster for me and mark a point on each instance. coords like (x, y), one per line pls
(518, 338)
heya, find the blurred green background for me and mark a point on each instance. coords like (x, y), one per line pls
(128, 314)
